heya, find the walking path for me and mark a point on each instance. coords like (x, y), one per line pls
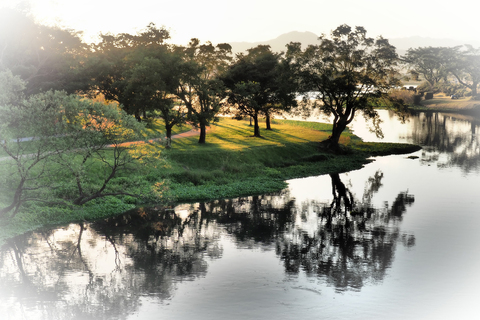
(190, 133)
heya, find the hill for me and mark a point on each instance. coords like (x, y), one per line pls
(278, 44)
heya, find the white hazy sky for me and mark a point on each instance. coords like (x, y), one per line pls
(258, 20)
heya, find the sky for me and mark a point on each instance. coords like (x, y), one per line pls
(260, 20)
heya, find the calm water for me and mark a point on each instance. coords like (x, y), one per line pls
(398, 239)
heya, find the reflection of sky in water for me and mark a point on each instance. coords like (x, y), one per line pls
(222, 273)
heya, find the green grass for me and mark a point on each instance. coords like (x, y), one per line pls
(231, 163)
(156, 128)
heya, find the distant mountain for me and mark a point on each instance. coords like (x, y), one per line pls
(278, 44)
(403, 44)
(306, 38)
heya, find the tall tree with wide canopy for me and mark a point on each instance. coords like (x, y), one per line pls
(465, 66)
(43, 56)
(430, 62)
(152, 82)
(344, 73)
(113, 60)
(259, 83)
(200, 88)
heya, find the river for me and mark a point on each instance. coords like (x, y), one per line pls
(398, 239)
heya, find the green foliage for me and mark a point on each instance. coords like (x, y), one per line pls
(48, 57)
(260, 83)
(344, 73)
(425, 86)
(430, 62)
(253, 186)
(117, 68)
(200, 89)
(51, 134)
(452, 89)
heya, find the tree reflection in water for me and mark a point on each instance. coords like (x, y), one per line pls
(453, 136)
(102, 270)
(353, 242)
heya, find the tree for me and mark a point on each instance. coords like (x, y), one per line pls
(465, 66)
(151, 84)
(430, 62)
(345, 73)
(45, 57)
(258, 84)
(96, 135)
(200, 88)
(52, 132)
(113, 59)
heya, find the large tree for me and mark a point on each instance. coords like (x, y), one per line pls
(430, 62)
(259, 83)
(200, 88)
(113, 59)
(465, 66)
(344, 73)
(151, 85)
(51, 132)
(43, 56)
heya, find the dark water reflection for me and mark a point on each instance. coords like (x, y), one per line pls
(388, 241)
(448, 140)
(455, 136)
(100, 270)
(354, 242)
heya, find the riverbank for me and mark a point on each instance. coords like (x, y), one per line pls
(444, 103)
(231, 164)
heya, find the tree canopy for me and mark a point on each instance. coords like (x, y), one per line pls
(200, 89)
(259, 83)
(430, 62)
(114, 59)
(73, 133)
(465, 67)
(44, 57)
(345, 72)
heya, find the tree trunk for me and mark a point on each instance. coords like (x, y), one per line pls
(267, 121)
(168, 131)
(332, 143)
(16, 202)
(256, 127)
(137, 115)
(203, 133)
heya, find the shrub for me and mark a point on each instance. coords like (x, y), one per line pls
(424, 87)
(405, 97)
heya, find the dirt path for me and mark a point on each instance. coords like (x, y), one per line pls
(186, 134)
(190, 133)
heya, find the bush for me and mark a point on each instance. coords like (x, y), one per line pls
(424, 87)
(428, 95)
(405, 97)
(417, 99)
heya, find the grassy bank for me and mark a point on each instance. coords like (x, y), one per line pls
(232, 163)
(444, 103)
